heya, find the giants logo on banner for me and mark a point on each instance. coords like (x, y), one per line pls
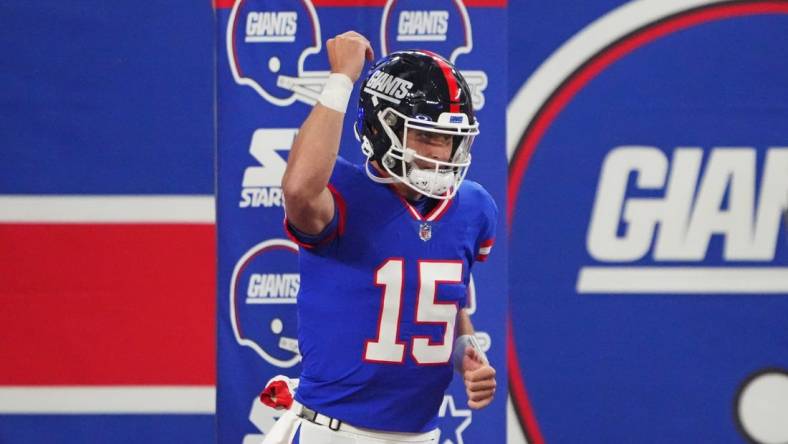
(267, 43)
(263, 292)
(722, 197)
(654, 143)
(440, 26)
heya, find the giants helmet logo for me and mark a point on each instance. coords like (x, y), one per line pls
(263, 292)
(440, 26)
(267, 43)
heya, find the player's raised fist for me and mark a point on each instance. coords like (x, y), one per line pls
(346, 53)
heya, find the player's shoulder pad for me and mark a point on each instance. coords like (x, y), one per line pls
(475, 194)
(479, 202)
(345, 171)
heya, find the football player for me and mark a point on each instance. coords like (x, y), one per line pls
(386, 249)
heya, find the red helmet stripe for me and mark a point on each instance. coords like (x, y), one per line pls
(451, 81)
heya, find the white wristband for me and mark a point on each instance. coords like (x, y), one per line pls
(336, 92)
(460, 344)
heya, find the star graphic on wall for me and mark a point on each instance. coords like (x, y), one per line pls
(452, 421)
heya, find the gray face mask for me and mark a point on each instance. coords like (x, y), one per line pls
(438, 179)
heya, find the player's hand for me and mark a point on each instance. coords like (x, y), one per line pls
(479, 379)
(346, 53)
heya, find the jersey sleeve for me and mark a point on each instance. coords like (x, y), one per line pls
(336, 227)
(486, 239)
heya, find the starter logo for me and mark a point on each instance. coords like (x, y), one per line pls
(440, 26)
(263, 290)
(267, 44)
(719, 196)
(262, 183)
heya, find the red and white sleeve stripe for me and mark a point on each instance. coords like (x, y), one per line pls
(484, 250)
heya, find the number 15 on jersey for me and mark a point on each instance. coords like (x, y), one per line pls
(387, 348)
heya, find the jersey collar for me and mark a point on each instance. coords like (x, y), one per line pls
(434, 214)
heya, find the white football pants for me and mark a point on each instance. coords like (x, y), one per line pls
(312, 433)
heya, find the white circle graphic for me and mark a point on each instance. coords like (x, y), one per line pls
(274, 64)
(763, 408)
(276, 326)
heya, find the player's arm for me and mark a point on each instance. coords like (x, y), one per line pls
(477, 374)
(309, 204)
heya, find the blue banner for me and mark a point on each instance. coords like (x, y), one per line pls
(271, 66)
(648, 185)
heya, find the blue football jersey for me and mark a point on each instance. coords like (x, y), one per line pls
(380, 292)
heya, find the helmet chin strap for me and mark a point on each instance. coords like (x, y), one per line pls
(376, 178)
(428, 182)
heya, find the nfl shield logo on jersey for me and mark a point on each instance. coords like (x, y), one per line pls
(425, 231)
